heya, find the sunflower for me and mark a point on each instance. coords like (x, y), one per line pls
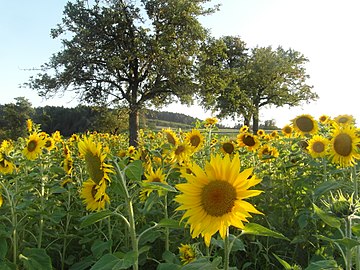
(287, 131)
(261, 133)
(318, 146)
(187, 253)
(34, 146)
(94, 196)
(49, 143)
(68, 164)
(267, 153)
(152, 176)
(324, 119)
(244, 129)
(195, 139)
(228, 147)
(181, 152)
(94, 158)
(6, 164)
(213, 199)
(56, 136)
(344, 145)
(248, 140)
(29, 125)
(171, 136)
(344, 119)
(305, 124)
(211, 121)
(274, 134)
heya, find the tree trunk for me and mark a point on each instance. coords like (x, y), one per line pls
(133, 125)
(256, 119)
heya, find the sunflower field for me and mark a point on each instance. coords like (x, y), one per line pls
(191, 199)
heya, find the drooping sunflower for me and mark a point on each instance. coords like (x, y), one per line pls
(187, 253)
(181, 152)
(195, 139)
(268, 153)
(344, 119)
(287, 131)
(34, 146)
(324, 119)
(305, 124)
(210, 121)
(318, 146)
(94, 157)
(94, 196)
(152, 176)
(68, 164)
(6, 164)
(171, 136)
(213, 198)
(249, 141)
(344, 145)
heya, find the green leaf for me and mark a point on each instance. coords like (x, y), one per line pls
(356, 230)
(323, 265)
(6, 265)
(171, 223)
(99, 247)
(328, 219)
(256, 229)
(347, 242)
(283, 262)
(168, 266)
(169, 257)
(325, 187)
(83, 265)
(200, 264)
(134, 170)
(94, 217)
(35, 259)
(3, 248)
(159, 186)
(109, 261)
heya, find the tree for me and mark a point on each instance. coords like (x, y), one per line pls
(126, 53)
(251, 80)
(13, 118)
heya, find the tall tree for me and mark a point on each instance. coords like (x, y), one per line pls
(261, 77)
(126, 52)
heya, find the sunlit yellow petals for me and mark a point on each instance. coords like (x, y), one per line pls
(249, 207)
(34, 145)
(213, 201)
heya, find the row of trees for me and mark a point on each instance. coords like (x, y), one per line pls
(153, 52)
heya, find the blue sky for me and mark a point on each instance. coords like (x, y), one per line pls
(325, 31)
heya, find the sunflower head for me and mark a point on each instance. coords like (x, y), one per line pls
(344, 119)
(210, 121)
(344, 146)
(187, 253)
(318, 146)
(249, 141)
(94, 196)
(228, 147)
(170, 136)
(305, 124)
(324, 119)
(244, 129)
(287, 130)
(195, 139)
(34, 146)
(267, 153)
(181, 152)
(214, 198)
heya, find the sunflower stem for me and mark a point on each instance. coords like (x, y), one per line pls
(226, 250)
(167, 232)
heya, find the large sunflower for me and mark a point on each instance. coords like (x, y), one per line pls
(94, 196)
(344, 145)
(305, 124)
(34, 146)
(213, 199)
(318, 146)
(94, 158)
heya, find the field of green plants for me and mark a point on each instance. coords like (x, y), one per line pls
(191, 199)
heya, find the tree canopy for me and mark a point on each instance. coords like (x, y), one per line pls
(126, 52)
(247, 80)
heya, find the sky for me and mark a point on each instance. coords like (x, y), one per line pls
(325, 31)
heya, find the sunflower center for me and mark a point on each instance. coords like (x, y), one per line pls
(32, 145)
(93, 165)
(170, 138)
(218, 198)
(195, 141)
(318, 147)
(305, 124)
(156, 179)
(48, 143)
(228, 147)
(343, 120)
(287, 130)
(180, 149)
(249, 140)
(343, 144)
